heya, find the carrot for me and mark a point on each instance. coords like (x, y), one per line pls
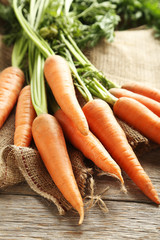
(153, 105)
(139, 116)
(50, 142)
(142, 89)
(104, 125)
(89, 145)
(11, 81)
(24, 117)
(58, 76)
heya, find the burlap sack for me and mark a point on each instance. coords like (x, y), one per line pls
(133, 56)
(9, 172)
(34, 172)
(19, 164)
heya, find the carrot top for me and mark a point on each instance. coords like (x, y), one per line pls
(19, 51)
(38, 90)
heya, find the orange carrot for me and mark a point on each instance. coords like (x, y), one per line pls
(50, 142)
(58, 76)
(89, 145)
(24, 117)
(139, 116)
(11, 82)
(142, 89)
(153, 105)
(104, 125)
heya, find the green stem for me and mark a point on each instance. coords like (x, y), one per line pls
(99, 92)
(39, 42)
(36, 61)
(19, 51)
(37, 10)
(73, 43)
(72, 50)
(67, 6)
(95, 90)
(38, 91)
(73, 47)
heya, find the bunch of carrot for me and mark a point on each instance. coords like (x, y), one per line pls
(53, 151)
(105, 143)
(50, 145)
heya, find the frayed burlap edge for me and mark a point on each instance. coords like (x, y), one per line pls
(10, 173)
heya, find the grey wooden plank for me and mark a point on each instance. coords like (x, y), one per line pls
(28, 217)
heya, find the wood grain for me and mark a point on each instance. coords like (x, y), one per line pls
(28, 217)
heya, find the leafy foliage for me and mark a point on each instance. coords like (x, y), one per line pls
(11, 25)
(12, 28)
(95, 20)
(86, 26)
(87, 20)
(134, 13)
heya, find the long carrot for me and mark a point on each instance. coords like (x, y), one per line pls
(24, 117)
(153, 105)
(49, 139)
(89, 145)
(142, 89)
(47, 133)
(59, 78)
(104, 125)
(11, 82)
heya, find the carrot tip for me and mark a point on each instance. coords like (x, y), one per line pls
(81, 217)
(123, 188)
(157, 200)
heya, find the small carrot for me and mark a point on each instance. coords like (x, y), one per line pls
(104, 125)
(11, 82)
(58, 76)
(50, 142)
(89, 145)
(153, 105)
(24, 117)
(142, 89)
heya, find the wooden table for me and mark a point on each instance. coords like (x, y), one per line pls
(25, 215)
